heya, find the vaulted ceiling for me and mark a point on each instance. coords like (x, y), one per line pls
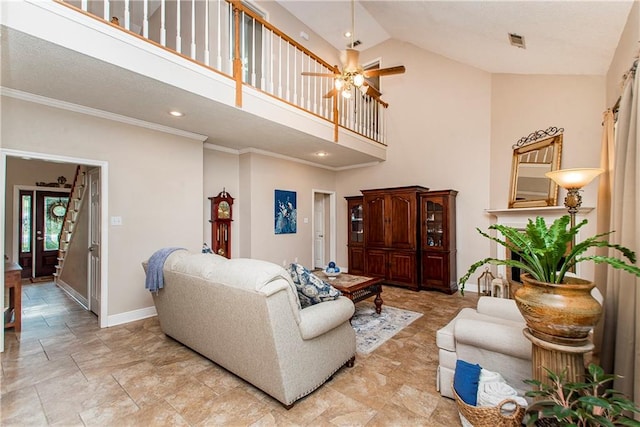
(561, 36)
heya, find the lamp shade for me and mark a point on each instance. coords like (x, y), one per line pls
(574, 178)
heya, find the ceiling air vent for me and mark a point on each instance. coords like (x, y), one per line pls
(516, 40)
(355, 43)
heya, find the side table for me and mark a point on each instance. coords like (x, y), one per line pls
(13, 285)
(557, 358)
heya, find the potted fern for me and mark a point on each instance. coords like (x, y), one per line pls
(584, 404)
(557, 307)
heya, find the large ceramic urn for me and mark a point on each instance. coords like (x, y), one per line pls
(559, 313)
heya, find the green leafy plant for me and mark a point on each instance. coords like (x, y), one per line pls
(546, 253)
(581, 404)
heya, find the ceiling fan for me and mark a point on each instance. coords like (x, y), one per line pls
(353, 75)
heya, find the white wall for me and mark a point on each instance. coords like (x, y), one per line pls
(439, 137)
(155, 185)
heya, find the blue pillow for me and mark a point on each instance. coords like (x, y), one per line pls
(465, 381)
(206, 249)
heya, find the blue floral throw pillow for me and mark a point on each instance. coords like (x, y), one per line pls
(311, 289)
(206, 249)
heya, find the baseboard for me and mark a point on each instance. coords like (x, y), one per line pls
(131, 316)
(73, 293)
(470, 287)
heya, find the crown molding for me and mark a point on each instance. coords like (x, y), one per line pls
(68, 106)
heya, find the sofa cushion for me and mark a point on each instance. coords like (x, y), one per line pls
(311, 289)
(465, 381)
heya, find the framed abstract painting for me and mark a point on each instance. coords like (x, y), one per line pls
(285, 212)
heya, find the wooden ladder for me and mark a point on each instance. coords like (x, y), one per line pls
(76, 196)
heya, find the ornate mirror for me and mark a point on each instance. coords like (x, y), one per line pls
(533, 156)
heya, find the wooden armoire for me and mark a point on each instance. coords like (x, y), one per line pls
(391, 236)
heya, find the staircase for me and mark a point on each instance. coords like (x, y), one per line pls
(76, 197)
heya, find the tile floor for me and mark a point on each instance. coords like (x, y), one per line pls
(63, 370)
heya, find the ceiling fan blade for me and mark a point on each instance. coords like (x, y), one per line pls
(309, 73)
(330, 94)
(385, 71)
(375, 94)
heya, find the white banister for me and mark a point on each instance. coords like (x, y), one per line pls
(273, 69)
(127, 15)
(206, 33)
(145, 19)
(253, 53)
(193, 28)
(178, 29)
(163, 27)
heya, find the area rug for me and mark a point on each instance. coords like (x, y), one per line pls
(373, 329)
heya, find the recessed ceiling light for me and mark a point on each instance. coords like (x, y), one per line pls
(322, 154)
(347, 34)
(176, 113)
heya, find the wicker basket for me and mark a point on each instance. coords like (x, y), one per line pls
(491, 416)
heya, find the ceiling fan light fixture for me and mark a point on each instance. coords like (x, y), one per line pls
(358, 80)
(339, 83)
(346, 93)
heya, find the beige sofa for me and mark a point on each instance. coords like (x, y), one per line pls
(489, 335)
(244, 315)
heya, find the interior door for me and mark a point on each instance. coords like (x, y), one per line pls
(318, 232)
(94, 241)
(50, 211)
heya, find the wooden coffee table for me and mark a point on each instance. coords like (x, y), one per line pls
(357, 288)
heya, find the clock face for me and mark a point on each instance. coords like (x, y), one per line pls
(224, 210)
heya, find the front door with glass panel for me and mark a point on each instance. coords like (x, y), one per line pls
(50, 209)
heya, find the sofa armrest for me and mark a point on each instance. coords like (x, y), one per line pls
(500, 307)
(320, 318)
(506, 339)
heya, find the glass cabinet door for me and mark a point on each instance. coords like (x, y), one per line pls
(435, 223)
(357, 225)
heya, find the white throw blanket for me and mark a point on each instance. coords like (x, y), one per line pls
(493, 389)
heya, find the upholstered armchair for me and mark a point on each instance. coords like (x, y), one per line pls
(489, 335)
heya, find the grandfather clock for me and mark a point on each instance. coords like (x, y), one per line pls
(221, 217)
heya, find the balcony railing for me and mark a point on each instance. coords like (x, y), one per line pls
(231, 38)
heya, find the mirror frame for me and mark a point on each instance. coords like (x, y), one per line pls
(552, 137)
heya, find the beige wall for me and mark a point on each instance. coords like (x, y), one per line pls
(155, 185)
(522, 104)
(624, 56)
(439, 137)
(261, 176)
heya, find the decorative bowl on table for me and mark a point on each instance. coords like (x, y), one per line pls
(332, 270)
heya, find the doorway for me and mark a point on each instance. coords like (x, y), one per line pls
(323, 248)
(7, 186)
(40, 216)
